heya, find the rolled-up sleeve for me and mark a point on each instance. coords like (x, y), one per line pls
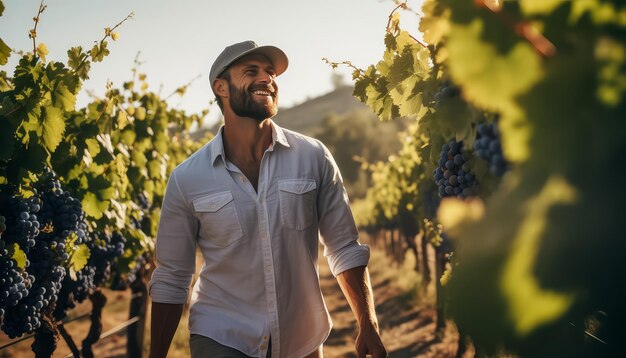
(175, 248)
(339, 234)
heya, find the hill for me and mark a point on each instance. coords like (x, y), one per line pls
(308, 116)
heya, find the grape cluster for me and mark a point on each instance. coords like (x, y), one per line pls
(447, 91)
(21, 224)
(14, 283)
(453, 175)
(144, 205)
(18, 229)
(74, 291)
(107, 248)
(140, 263)
(43, 294)
(60, 214)
(489, 148)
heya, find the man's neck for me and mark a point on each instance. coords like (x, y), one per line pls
(246, 139)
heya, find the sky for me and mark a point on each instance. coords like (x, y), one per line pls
(177, 41)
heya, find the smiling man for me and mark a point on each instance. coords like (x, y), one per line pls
(255, 200)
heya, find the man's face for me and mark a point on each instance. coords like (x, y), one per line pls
(253, 91)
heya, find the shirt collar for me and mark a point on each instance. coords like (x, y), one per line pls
(217, 144)
(278, 135)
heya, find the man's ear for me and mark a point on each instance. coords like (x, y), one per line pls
(220, 87)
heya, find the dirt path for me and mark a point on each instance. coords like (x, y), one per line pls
(407, 326)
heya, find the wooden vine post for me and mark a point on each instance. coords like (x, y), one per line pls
(138, 306)
(46, 338)
(98, 300)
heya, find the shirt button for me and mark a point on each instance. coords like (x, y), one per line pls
(263, 346)
(264, 337)
(243, 179)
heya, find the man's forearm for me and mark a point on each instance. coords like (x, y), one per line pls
(165, 318)
(356, 286)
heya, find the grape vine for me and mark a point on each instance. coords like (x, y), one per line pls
(534, 91)
(80, 188)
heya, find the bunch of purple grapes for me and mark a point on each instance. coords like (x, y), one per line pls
(64, 220)
(26, 316)
(453, 175)
(18, 229)
(107, 248)
(74, 291)
(14, 283)
(489, 148)
(61, 214)
(21, 224)
(447, 91)
(42, 297)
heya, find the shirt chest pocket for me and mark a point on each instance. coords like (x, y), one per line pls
(219, 222)
(297, 199)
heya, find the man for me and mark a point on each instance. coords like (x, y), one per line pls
(253, 200)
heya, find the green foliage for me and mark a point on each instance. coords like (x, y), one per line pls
(112, 155)
(357, 137)
(538, 250)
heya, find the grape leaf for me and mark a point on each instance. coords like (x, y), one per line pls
(156, 169)
(53, 127)
(93, 146)
(62, 97)
(404, 40)
(491, 80)
(19, 256)
(79, 258)
(161, 143)
(99, 51)
(122, 119)
(77, 60)
(434, 26)
(540, 7)
(5, 53)
(93, 207)
(139, 158)
(530, 305)
(128, 136)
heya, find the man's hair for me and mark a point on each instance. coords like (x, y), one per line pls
(225, 76)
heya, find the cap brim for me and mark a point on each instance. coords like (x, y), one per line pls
(274, 54)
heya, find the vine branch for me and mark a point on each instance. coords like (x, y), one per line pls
(33, 32)
(106, 34)
(522, 28)
(344, 63)
(402, 6)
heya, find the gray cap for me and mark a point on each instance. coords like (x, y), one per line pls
(234, 52)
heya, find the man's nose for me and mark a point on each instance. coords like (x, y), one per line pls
(265, 77)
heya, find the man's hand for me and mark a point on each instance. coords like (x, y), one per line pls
(368, 342)
(355, 284)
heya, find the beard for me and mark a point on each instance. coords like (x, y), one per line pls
(244, 105)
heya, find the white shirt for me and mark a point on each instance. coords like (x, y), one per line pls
(260, 275)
